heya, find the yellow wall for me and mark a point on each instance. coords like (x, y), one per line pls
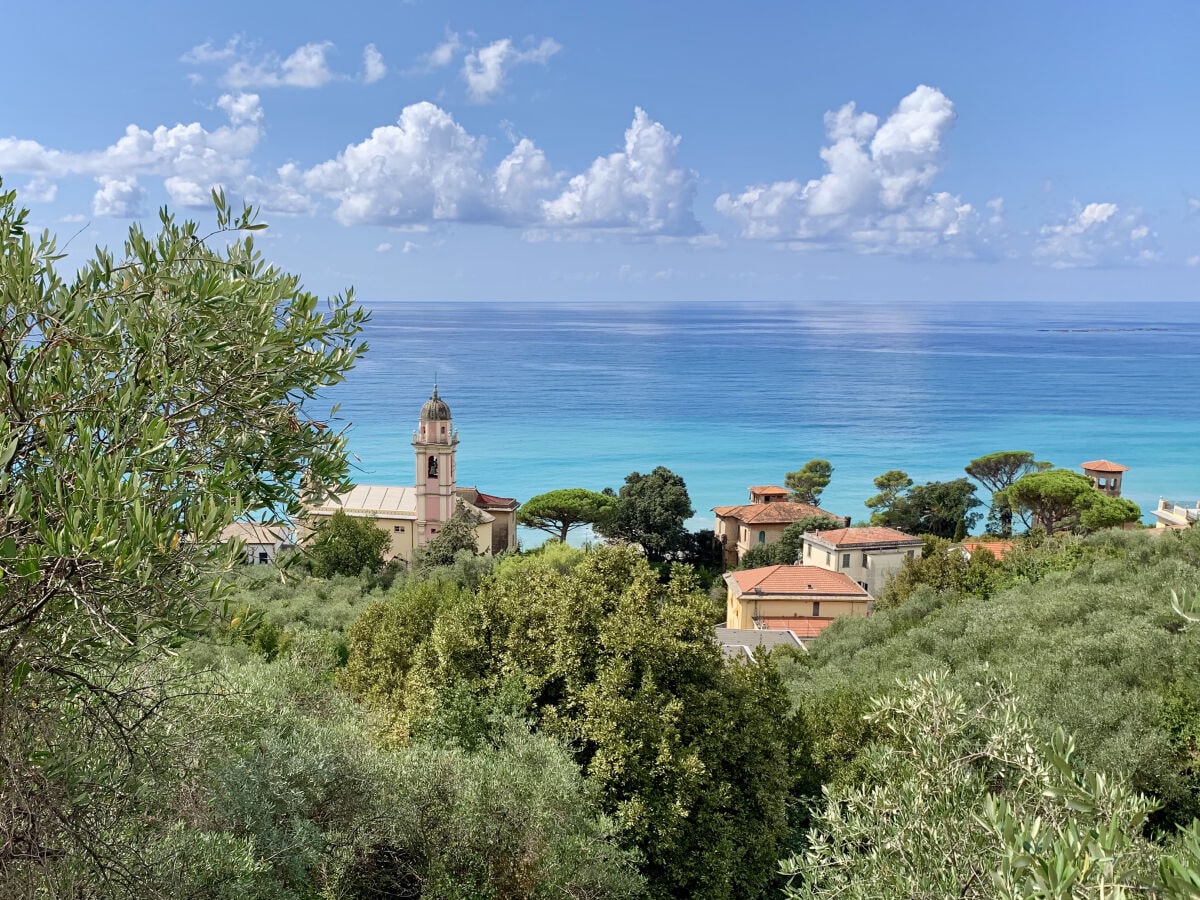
(740, 611)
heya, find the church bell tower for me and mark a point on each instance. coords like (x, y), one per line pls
(434, 444)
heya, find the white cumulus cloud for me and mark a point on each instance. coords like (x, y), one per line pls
(875, 193)
(1098, 234)
(39, 190)
(425, 167)
(644, 188)
(428, 168)
(486, 70)
(190, 158)
(117, 197)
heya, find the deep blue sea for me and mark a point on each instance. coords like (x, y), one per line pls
(732, 394)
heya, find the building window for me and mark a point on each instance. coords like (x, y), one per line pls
(864, 560)
(810, 551)
(863, 585)
(911, 554)
(845, 560)
(827, 557)
(397, 528)
(263, 558)
(762, 537)
(816, 607)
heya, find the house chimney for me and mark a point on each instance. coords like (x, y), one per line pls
(847, 521)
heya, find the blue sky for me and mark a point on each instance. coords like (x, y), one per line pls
(665, 151)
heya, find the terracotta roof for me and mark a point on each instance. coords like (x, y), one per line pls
(805, 581)
(784, 512)
(1103, 465)
(803, 627)
(772, 489)
(489, 501)
(999, 548)
(860, 537)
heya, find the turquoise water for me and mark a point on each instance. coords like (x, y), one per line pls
(733, 394)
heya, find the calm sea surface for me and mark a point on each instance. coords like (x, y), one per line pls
(728, 395)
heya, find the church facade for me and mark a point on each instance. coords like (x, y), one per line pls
(413, 516)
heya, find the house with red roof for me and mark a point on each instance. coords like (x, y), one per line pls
(998, 549)
(761, 521)
(802, 599)
(869, 556)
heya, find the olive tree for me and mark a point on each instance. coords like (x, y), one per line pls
(147, 400)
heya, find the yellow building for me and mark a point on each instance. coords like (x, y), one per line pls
(760, 522)
(800, 599)
(413, 516)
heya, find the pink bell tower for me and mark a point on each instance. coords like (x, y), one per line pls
(434, 443)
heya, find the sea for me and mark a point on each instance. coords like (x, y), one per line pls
(728, 395)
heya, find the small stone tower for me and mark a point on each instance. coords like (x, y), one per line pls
(1105, 475)
(434, 444)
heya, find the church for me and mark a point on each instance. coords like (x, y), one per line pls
(413, 516)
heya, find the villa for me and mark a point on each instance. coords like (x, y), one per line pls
(802, 599)
(760, 522)
(869, 556)
(413, 516)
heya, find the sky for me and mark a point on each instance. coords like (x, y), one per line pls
(808, 152)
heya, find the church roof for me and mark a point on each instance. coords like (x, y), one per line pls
(373, 500)
(435, 409)
(489, 501)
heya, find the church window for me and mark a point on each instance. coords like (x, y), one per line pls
(433, 467)
(762, 537)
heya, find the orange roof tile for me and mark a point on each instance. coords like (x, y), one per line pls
(804, 627)
(999, 549)
(784, 512)
(807, 581)
(1103, 465)
(858, 537)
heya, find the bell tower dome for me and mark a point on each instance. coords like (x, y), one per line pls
(434, 444)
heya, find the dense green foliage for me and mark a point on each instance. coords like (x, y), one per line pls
(1083, 625)
(809, 481)
(650, 511)
(345, 545)
(151, 397)
(1060, 499)
(690, 756)
(456, 536)
(559, 512)
(939, 508)
(961, 801)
